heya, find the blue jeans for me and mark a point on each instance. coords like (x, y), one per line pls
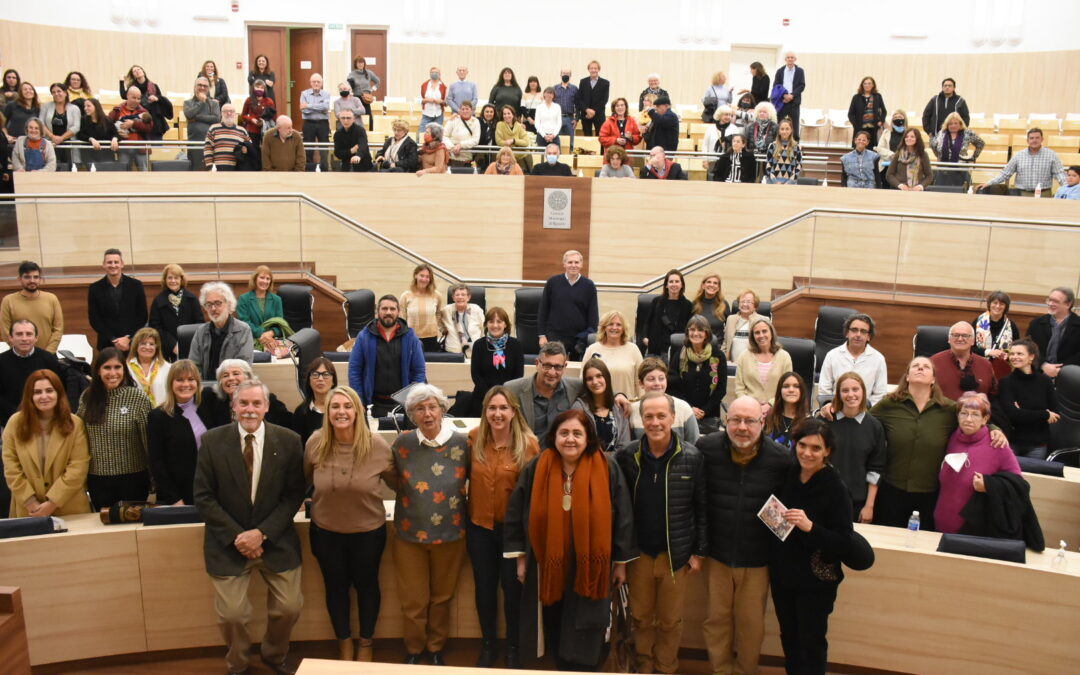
(568, 124)
(424, 121)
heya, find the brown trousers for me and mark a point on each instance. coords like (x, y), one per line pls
(427, 576)
(283, 603)
(735, 625)
(656, 602)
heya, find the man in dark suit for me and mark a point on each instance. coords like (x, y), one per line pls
(249, 483)
(1057, 333)
(116, 304)
(794, 80)
(592, 100)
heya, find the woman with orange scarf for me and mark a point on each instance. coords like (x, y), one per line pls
(570, 524)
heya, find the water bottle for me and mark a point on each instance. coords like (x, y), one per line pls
(912, 529)
(213, 167)
(1038, 190)
(318, 167)
(74, 167)
(1059, 563)
(93, 167)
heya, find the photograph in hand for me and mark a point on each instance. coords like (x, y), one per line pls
(772, 514)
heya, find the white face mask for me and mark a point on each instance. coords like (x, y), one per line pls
(551, 159)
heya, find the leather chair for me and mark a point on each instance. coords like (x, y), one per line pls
(641, 317)
(337, 357)
(478, 293)
(802, 352)
(764, 308)
(170, 165)
(829, 331)
(958, 189)
(110, 166)
(807, 181)
(1064, 442)
(444, 357)
(184, 334)
(359, 308)
(305, 346)
(929, 340)
(526, 310)
(298, 305)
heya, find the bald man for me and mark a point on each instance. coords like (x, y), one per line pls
(282, 149)
(742, 468)
(315, 111)
(958, 369)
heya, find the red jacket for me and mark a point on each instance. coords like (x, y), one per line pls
(442, 90)
(139, 131)
(609, 133)
(252, 114)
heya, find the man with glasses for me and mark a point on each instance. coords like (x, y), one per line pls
(32, 303)
(742, 469)
(547, 393)
(1057, 333)
(222, 337)
(856, 355)
(958, 369)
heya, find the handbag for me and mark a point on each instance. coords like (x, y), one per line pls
(622, 657)
(367, 97)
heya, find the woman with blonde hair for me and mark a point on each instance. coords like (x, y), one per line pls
(954, 142)
(737, 328)
(174, 433)
(619, 353)
(173, 307)
(399, 153)
(148, 366)
(262, 310)
(46, 452)
(500, 447)
(346, 465)
(504, 164)
(421, 307)
(710, 303)
(759, 369)
(860, 445)
(717, 94)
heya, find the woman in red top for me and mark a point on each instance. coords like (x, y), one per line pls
(620, 129)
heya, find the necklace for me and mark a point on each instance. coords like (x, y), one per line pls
(333, 480)
(567, 488)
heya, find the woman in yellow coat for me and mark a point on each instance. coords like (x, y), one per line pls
(46, 455)
(511, 133)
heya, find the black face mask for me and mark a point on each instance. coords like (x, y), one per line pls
(565, 78)
(344, 93)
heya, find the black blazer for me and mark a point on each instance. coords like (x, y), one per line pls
(306, 421)
(858, 107)
(798, 83)
(166, 321)
(1069, 349)
(760, 88)
(345, 140)
(173, 453)
(597, 98)
(106, 321)
(408, 156)
(220, 412)
(722, 168)
(222, 496)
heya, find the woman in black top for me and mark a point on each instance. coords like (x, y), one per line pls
(859, 445)
(496, 359)
(701, 374)
(399, 153)
(488, 121)
(506, 91)
(804, 569)
(668, 314)
(262, 71)
(321, 378)
(218, 89)
(710, 303)
(97, 130)
(23, 108)
(867, 111)
(598, 401)
(10, 87)
(736, 166)
(1029, 401)
(792, 405)
(173, 307)
(760, 87)
(174, 432)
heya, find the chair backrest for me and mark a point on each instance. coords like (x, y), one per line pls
(308, 347)
(359, 309)
(764, 308)
(801, 351)
(444, 357)
(526, 308)
(110, 166)
(829, 331)
(463, 169)
(803, 180)
(184, 334)
(298, 305)
(641, 317)
(946, 188)
(930, 340)
(478, 293)
(1066, 432)
(170, 165)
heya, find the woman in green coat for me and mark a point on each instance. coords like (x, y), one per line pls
(261, 309)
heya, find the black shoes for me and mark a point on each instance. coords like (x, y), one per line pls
(414, 659)
(282, 668)
(513, 661)
(487, 654)
(437, 659)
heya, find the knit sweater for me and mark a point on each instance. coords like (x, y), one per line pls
(1025, 399)
(567, 311)
(221, 142)
(118, 443)
(282, 156)
(44, 310)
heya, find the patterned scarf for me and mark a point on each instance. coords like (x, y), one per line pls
(175, 299)
(145, 378)
(914, 165)
(498, 350)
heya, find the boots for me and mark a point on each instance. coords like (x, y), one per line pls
(487, 654)
(365, 650)
(345, 649)
(513, 660)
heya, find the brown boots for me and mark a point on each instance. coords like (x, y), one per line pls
(346, 650)
(365, 650)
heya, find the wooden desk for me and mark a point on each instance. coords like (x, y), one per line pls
(14, 649)
(1057, 503)
(916, 610)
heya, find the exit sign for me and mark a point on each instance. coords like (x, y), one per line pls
(337, 26)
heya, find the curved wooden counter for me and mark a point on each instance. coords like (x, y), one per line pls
(102, 590)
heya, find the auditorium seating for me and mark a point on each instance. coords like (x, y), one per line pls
(478, 295)
(930, 340)
(803, 360)
(829, 332)
(298, 305)
(526, 308)
(359, 307)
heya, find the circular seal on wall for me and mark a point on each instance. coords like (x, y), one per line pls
(557, 201)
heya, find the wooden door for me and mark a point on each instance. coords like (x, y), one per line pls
(371, 44)
(742, 56)
(305, 59)
(269, 41)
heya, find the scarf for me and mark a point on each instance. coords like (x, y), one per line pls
(591, 515)
(504, 170)
(951, 148)
(143, 379)
(913, 163)
(498, 351)
(175, 299)
(431, 145)
(689, 355)
(984, 333)
(394, 147)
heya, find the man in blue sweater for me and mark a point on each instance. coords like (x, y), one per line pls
(387, 356)
(568, 309)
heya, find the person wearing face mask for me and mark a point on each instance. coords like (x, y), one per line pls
(258, 113)
(566, 95)
(551, 166)
(315, 113)
(225, 140)
(660, 167)
(434, 155)
(433, 97)
(347, 101)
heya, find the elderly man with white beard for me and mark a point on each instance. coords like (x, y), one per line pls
(222, 337)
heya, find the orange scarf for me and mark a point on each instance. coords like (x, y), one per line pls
(591, 516)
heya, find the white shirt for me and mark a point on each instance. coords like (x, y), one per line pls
(789, 78)
(432, 90)
(870, 365)
(257, 444)
(463, 133)
(441, 439)
(548, 119)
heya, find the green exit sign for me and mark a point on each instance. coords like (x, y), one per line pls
(336, 26)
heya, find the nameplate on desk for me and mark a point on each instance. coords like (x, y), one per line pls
(557, 208)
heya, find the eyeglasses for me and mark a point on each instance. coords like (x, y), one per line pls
(961, 336)
(970, 414)
(743, 421)
(859, 331)
(322, 375)
(214, 304)
(557, 367)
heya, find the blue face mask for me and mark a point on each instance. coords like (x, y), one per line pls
(898, 126)
(435, 76)
(551, 159)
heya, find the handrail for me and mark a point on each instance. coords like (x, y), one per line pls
(617, 287)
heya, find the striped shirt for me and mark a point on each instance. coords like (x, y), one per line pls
(1032, 170)
(221, 142)
(118, 444)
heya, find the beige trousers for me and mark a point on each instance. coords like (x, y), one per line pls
(283, 603)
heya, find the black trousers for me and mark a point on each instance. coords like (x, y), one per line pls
(591, 127)
(575, 348)
(431, 344)
(894, 506)
(107, 490)
(490, 571)
(552, 617)
(803, 615)
(792, 111)
(350, 561)
(318, 131)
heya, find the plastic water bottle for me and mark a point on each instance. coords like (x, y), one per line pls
(824, 182)
(74, 167)
(318, 167)
(912, 529)
(213, 167)
(93, 167)
(1059, 563)
(1038, 190)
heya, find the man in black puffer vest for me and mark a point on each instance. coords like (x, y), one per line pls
(667, 485)
(742, 469)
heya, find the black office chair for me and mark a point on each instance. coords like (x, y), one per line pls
(109, 166)
(801, 351)
(764, 308)
(930, 340)
(444, 357)
(298, 305)
(337, 357)
(463, 169)
(807, 181)
(526, 309)
(305, 345)
(678, 340)
(184, 334)
(170, 165)
(478, 293)
(1064, 444)
(359, 308)
(958, 189)
(641, 317)
(63, 166)
(829, 331)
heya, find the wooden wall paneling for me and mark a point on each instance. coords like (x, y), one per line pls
(547, 246)
(100, 226)
(14, 648)
(1057, 504)
(855, 249)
